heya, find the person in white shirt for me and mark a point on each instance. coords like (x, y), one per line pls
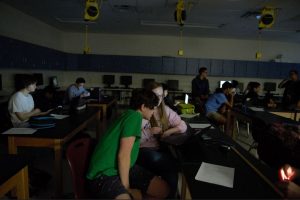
(21, 104)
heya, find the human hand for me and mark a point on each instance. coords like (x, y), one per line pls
(290, 189)
(37, 111)
(135, 193)
(155, 130)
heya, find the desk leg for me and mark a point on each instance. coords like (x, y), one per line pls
(98, 121)
(12, 149)
(58, 170)
(104, 110)
(23, 186)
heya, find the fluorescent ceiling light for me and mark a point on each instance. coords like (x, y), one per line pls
(173, 24)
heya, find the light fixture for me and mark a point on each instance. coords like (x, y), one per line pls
(267, 18)
(91, 11)
(180, 13)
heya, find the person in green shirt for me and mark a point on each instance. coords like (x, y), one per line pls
(112, 171)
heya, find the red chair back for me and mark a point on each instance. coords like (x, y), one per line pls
(78, 156)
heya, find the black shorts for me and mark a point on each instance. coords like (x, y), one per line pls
(109, 187)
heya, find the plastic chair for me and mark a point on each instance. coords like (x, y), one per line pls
(78, 155)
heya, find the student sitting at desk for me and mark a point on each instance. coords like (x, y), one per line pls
(76, 90)
(45, 99)
(112, 171)
(153, 156)
(217, 102)
(251, 97)
(21, 104)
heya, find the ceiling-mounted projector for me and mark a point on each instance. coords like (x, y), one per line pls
(267, 18)
(91, 11)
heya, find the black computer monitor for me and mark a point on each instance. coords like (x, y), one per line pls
(269, 86)
(126, 81)
(147, 81)
(19, 81)
(222, 82)
(53, 81)
(173, 85)
(108, 80)
(39, 78)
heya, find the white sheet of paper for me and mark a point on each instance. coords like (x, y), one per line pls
(200, 125)
(216, 174)
(189, 115)
(56, 116)
(23, 131)
(256, 109)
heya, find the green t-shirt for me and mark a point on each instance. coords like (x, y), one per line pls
(104, 160)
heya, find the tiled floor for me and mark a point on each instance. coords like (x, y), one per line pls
(44, 161)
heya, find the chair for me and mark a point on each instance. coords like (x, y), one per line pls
(78, 156)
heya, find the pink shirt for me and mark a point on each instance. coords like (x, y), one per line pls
(147, 138)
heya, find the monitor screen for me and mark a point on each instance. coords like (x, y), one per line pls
(108, 79)
(147, 81)
(269, 86)
(173, 84)
(126, 80)
(39, 78)
(222, 82)
(186, 99)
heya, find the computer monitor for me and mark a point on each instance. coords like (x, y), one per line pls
(53, 81)
(126, 81)
(269, 86)
(222, 82)
(108, 80)
(173, 84)
(39, 78)
(19, 81)
(147, 81)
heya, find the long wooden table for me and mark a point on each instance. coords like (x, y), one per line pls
(14, 176)
(55, 137)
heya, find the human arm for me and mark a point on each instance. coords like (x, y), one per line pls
(124, 157)
(290, 189)
(282, 84)
(176, 124)
(24, 116)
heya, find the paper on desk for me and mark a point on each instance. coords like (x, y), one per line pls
(189, 115)
(256, 109)
(56, 116)
(215, 174)
(198, 126)
(23, 131)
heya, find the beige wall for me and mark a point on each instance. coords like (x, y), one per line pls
(18, 25)
(153, 45)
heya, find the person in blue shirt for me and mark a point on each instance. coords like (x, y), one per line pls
(76, 90)
(216, 103)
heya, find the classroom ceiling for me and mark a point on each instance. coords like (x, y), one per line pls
(204, 18)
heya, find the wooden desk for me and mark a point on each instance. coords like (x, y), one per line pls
(103, 105)
(14, 176)
(55, 137)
